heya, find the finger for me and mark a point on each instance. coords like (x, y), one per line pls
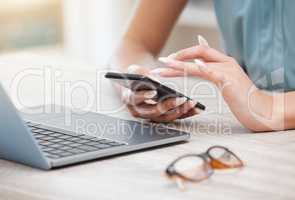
(186, 67)
(190, 113)
(210, 71)
(135, 98)
(175, 113)
(167, 72)
(151, 111)
(202, 52)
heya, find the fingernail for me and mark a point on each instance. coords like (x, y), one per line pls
(200, 62)
(126, 94)
(133, 68)
(150, 101)
(201, 65)
(165, 59)
(180, 101)
(202, 41)
(192, 103)
(150, 94)
(157, 71)
(173, 56)
(199, 111)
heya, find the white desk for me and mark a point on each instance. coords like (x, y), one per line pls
(270, 161)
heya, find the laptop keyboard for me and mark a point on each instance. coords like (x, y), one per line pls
(57, 145)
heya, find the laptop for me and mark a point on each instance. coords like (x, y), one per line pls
(45, 141)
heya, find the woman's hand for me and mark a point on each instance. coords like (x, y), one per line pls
(142, 105)
(251, 106)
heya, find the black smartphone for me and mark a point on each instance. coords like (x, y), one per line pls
(137, 82)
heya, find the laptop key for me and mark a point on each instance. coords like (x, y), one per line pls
(48, 138)
(45, 143)
(75, 145)
(39, 136)
(56, 140)
(88, 148)
(96, 139)
(65, 154)
(82, 141)
(73, 139)
(65, 148)
(55, 134)
(37, 130)
(56, 145)
(65, 142)
(105, 141)
(56, 151)
(46, 132)
(65, 136)
(76, 151)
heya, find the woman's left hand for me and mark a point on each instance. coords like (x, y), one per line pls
(238, 90)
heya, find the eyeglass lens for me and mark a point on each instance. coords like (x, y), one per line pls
(194, 168)
(222, 158)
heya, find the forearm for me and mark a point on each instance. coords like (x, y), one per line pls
(268, 111)
(279, 111)
(147, 32)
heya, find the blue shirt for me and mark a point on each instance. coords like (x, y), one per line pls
(260, 34)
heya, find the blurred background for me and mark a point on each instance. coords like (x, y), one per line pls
(90, 30)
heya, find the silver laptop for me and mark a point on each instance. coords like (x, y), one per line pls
(47, 141)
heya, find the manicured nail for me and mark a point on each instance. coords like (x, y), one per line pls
(202, 41)
(202, 66)
(126, 94)
(200, 62)
(150, 94)
(157, 71)
(192, 103)
(165, 59)
(150, 101)
(133, 68)
(179, 101)
(173, 56)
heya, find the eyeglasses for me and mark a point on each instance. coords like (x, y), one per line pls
(198, 167)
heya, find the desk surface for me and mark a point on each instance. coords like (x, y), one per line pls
(269, 157)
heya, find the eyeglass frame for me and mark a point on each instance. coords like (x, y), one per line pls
(207, 158)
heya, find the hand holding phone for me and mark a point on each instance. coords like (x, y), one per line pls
(137, 82)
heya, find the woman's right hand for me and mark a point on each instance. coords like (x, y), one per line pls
(142, 105)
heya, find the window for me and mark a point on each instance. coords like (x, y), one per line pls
(29, 23)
